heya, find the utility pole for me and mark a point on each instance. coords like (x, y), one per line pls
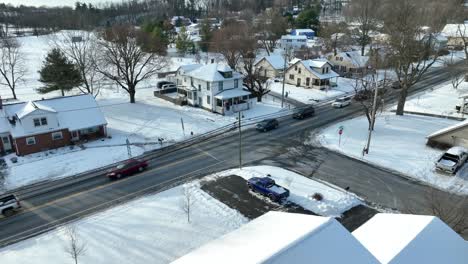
(240, 139)
(374, 111)
(286, 55)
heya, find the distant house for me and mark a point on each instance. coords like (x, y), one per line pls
(41, 125)
(179, 21)
(311, 73)
(293, 42)
(350, 62)
(214, 87)
(283, 238)
(408, 239)
(456, 135)
(270, 66)
(309, 33)
(456, 33)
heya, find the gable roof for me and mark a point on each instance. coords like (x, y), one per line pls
(278, 237)
(405, 239)
(354, 57)
(276, 61)
(211, 73)
(73, 113)
(453, 30)
(310, 65)
(460, 125)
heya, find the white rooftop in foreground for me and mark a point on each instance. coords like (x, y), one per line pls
(405, 239)
(278, 237)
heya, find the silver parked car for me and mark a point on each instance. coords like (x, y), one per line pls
(452, 160)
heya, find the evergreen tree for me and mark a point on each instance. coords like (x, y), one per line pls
(183, 42)
(308, 18)
(58, 73)
(205, 35)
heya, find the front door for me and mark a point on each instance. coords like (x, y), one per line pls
(75, 135)
(200, 101)
(6, 143)
(298, 81)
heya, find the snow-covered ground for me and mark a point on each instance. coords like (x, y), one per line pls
(335, 200)
(439, 101)
(143, 123)
(398, 143)
(154, 229)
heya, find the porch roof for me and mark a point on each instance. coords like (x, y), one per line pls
(232, 93)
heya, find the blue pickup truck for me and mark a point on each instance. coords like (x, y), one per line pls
(267, 186)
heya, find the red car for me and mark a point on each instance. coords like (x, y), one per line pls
(127, 168)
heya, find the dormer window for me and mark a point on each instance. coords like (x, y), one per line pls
(43, 121)
(37, 122)
(227, 74)
(40, 121)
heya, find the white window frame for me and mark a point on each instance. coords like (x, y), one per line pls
(208, 99)
(30, 138)
(44, 123)
(57, 133)
(38, 122)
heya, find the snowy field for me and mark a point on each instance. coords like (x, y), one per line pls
(398, 143)
(440, 101)
(142, 123)
(154, 229)
(335, 202)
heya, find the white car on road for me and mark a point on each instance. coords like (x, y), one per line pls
(341, 102)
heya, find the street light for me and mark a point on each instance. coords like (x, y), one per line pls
(239, 119)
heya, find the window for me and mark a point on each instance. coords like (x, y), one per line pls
(30, 141)
(341, 59)
(291, 76)
(199, 87)
(208, 86)
(236, 83)
(57, 135)
(220, 85)
(37, 122)
(44, 121)
(191, 81)
(295, 68)
(307, 81)
(300, 71)
(327, 70)
(208, 99)
(6, 140)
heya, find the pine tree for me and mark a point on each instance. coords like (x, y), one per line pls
(58, 73)
(183, 42)
(205, 34)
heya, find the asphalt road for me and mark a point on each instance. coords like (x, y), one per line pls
(52, 203)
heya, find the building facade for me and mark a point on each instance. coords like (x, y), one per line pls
(311, 74)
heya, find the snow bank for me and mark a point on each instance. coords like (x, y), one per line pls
(398, 143)
(153, 229)
(334, 203)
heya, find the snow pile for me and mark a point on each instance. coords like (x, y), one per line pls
(334, 203)
(153, 229)
(398, 143)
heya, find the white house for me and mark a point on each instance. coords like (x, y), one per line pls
(309, 33)
(293, 42)
(278, 237)
(349, 62)
(214, 87)
(270, 66)
(409, 239)
(311, 74)
(456, 34)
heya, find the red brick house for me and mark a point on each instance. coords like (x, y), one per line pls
(41, 125)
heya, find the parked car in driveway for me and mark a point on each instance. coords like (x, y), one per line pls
(341, 102)
(127, 168)
(267, 187)
(452, 160)
(267, 124)
(9, 204)
(304, 112)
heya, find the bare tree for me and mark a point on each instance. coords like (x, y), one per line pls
(188, 200)
(336, 36)
(75, 247)
(270, 26)
(80, 48)
(457, 79)
(123, 61)
(363, 13)
(410, 54)
(12, 67)
(254, 80)
(365, 93)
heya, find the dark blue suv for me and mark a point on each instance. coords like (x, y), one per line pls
(267, 187)
(267, 124)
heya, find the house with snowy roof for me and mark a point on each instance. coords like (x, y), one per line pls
(409, 239)
(315, 73)
(270, 66)
(309, 33)
(41, 125)
(456, 35)
(278, 237)
(455, 135)
(214, 87)
(349, 62)
(293, 42)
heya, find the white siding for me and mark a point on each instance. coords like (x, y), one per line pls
(28, 122)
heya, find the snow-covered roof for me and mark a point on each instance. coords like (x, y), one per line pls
(399, 238)
(278, 237)
(354, 57)
(188, 68)
(294, 37)
(211, 73)
(453, 30)
(73, 113)
(276, 61)
(294, 61)
(311, 65)
(463, 124)
(304, 30)
(231, 93)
